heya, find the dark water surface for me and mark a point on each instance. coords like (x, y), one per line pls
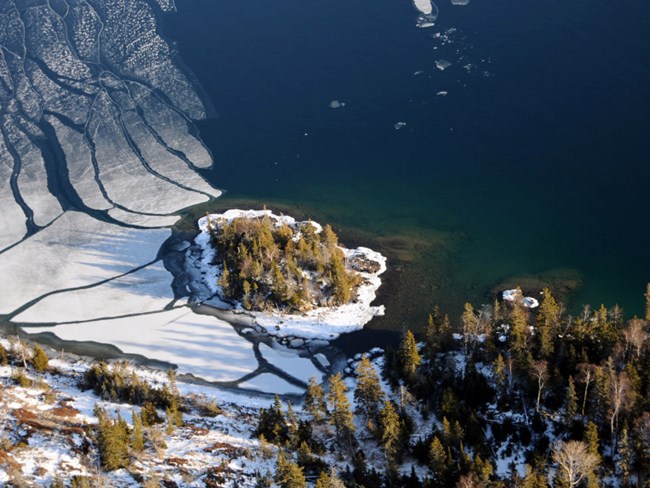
(535, 162)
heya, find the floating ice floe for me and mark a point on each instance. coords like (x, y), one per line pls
(460, 2)
(399, 125)
(424, 6)
(442, 93)
(442, 64)
(336, 104)
(323, 323)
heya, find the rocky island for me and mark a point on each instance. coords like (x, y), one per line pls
(291, 278)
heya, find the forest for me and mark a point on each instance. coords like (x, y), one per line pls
(269, 265)
(506, 396)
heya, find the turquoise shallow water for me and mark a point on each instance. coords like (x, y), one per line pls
(535, 160)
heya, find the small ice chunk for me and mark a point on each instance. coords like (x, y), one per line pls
(442, 64)
(511, 295)
(442, 93)
(423, 6)
(418, 73)
(460, 2)
(337, 104)
(530, 302)
(399, 125)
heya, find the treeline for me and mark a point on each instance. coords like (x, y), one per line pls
(268, 265)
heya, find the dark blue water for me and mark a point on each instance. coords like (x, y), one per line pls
(536, 160)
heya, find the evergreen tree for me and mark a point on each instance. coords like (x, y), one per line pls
(571, 401)
(592, 440)
(438, 462)
(330, 480)
(548, 320)
(288, 474)
(470, 327)
(137, 437)
(112, 440)
(39, 359)
(390, 428)
(315, 400)
(339, 407)
(368, 394)
(625, 460)
(409, 357)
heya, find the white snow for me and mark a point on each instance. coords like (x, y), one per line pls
(75, 251)
(146, 290)
(289, 361)
(266, 382)
(201, 345)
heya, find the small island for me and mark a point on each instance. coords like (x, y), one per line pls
(293, 278)
(268, 264)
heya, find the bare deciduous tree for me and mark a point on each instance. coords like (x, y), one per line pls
(621, 396)
(539, 371)
(586, 376)
(574, 460)
(635, 336)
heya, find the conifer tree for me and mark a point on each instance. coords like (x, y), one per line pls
(330, 480)
(315, 400)
(500, 377)
(409, 357)
(137, 437)
(548, 320)
(647, 303)
(339, 407)
(368, 394)
(592, 440)
(288, 474)
(389, 428)
(112, 440)
(571, 401)
(437, 461)
(625, 457)
(470, 327)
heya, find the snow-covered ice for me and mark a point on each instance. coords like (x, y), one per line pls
(201, 345)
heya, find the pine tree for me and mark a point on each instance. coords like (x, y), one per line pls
(500, 377)
(548, 320)
(39, 359)
(409, 356)
(339, 406)
(315, 400)
(470, 327)
(112, 440)
(592, 440)
(571, 401)
(137, 437)
(647, 303)
(437, 461)
(389, 428)
(625, 460)
(288, 474)
(368, 394)
(330, 480)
